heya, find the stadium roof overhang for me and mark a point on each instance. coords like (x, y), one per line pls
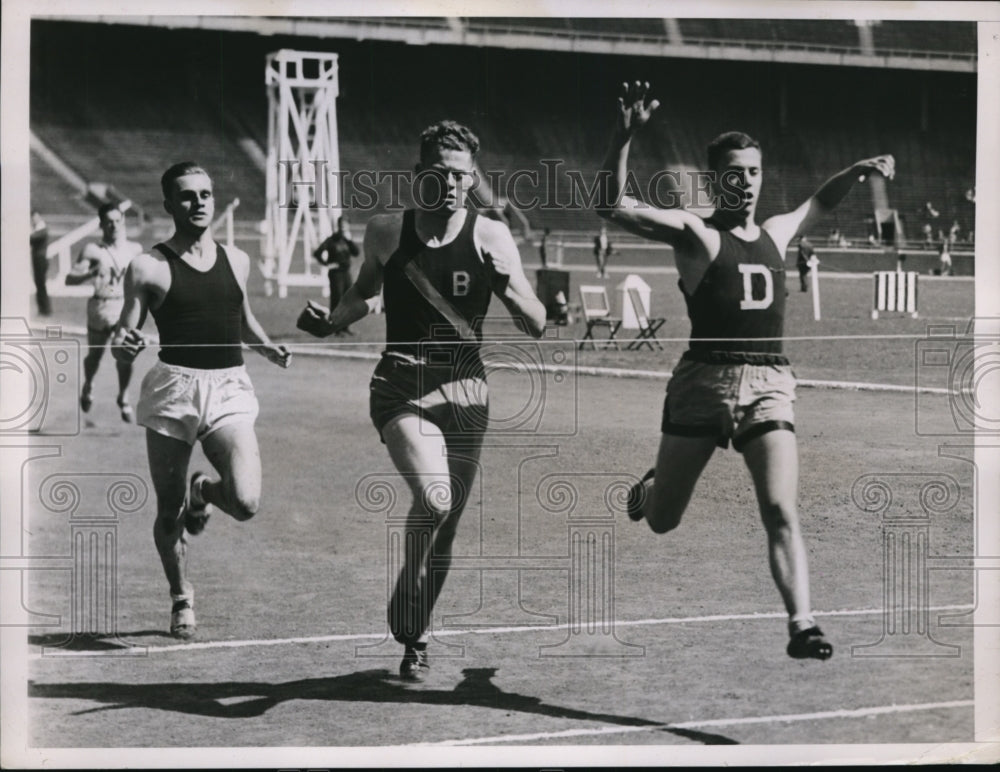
(441, 31)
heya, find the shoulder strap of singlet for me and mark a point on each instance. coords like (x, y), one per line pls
(774, 244)
(408, 245)
(167, 251)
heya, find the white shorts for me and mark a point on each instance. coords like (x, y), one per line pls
(188, 404)
(103, 313)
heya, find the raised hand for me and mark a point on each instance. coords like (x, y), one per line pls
(883, 164)
(633, 112)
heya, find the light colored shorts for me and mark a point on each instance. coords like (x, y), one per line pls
(103, 313)
(735, 402)
(188, 404)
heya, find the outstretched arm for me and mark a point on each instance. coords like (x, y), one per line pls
(500, 252)
(84, 269)
(255, 337)
(127, 341)
(360, 298)
(785, 227)
(672, 226)
(252, 333)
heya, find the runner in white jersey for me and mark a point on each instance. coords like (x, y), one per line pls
(103, 263)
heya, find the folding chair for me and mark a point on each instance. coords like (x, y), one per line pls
(597, 313)
(647, 326)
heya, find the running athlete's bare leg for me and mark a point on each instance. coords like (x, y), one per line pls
(773, 462)
(439, 480)
(124, 379)
(168, 465)
(679, 463)
(463, 465)
(96, 341)
(233, 451)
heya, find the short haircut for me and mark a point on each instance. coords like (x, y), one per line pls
(104, 209)
(730, 140)
(179, 170)
(448, 135)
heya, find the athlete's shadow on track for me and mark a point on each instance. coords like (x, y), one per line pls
(256, 698)
(93, 642)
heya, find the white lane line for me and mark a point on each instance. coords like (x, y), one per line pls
(624, 372)
(239, 644)
(342, 351)
(710, 723)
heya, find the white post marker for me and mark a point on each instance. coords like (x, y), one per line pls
(814, 276)
(636, 282)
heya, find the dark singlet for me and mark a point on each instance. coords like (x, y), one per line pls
(741, 297)
(416, 328)
(200, 321)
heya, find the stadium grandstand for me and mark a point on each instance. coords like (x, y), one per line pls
(816, 93)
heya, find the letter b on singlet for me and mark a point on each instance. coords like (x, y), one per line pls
(749, 302)
(459, 283)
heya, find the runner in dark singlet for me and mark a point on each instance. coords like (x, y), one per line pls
(103, 263)
(739, 388)
(198, 390)
(428, 393)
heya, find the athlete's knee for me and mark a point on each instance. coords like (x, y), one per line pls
(168, 513)
(780, 518)
(664, 513)
(436, 499)
(245, 506)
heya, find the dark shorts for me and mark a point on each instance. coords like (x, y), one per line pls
(403, 386)
(735, 402)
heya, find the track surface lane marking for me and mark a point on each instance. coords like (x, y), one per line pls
(239, 644)
(708, 723)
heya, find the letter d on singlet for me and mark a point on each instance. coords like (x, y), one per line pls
(749, 303)
(459, 283)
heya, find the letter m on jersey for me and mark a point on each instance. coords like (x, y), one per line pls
(757, 295)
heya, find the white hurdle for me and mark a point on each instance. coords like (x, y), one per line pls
(895, 291)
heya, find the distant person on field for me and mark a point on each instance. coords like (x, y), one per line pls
(543, 247)
(336, 252)
(805, 261)
(40, 262)
(103, 263)
(944, 258)
(602, 251)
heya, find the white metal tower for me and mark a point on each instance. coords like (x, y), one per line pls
(303, 163)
